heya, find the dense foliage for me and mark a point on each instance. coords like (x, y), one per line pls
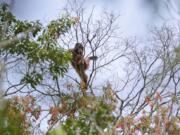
(43, 54)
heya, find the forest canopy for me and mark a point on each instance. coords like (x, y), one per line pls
(41, 93)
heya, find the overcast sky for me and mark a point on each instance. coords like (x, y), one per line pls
(136, 15)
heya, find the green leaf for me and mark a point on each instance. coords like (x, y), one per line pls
(57, 131)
